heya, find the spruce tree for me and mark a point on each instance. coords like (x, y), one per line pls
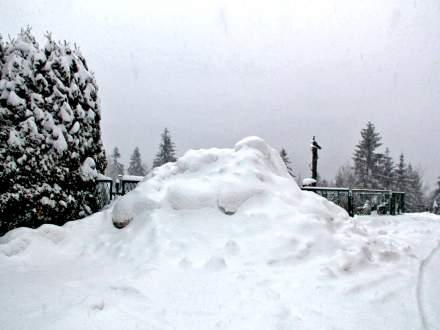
(409, 181)
(401, 175)
(286, 159)
(115, 168)
(435, 198)
(50, 140)
(415, 200)
(166, 151)
(136, 167)
(366, 159)
(386, 168)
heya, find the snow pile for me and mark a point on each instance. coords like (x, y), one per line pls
(222, 179)
(223, 239)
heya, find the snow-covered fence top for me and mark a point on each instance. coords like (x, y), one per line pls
(134, 178)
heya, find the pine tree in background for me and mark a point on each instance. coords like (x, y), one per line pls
(136, 167)
(386, 167)
(415, 200)
(409, 181)
(435, 198)
(366, 159)
(115, 168)
(401, 175)
(286, 159)
(166, 150)
(2, 55)
(345, 177)
(50, 140)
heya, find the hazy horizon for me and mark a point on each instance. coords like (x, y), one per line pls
(215, 72)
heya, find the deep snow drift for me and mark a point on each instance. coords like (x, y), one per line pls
(229, 180)
(223, 239)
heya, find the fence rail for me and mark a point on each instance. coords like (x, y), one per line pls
(363, 201)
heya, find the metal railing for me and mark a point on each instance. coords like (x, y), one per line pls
(108, 189)
(363, 201)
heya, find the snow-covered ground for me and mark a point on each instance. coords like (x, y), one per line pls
(223, 239)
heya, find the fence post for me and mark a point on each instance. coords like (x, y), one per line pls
(111, 190)
(350, 203)
(393, 204)
(402, 202)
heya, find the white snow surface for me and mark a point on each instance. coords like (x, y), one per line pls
(132, 177)
(88, 169)
(308, 182)
(223, 239)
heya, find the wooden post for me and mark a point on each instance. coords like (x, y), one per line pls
(315, 147)
(350, 204)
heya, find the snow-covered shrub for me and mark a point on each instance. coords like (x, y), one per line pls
(50, 140)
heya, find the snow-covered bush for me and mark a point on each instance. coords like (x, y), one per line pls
(50, 140)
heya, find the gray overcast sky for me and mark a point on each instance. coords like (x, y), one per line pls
(216, 71)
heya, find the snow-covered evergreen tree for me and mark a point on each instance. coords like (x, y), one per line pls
(401, 175)
(435, 198)
(286, 159)
(415, 200)
(366, 159)
(345, 177)
(50, 139)
(409, 181)
(136, 167)
(386, 168)
(115, 168)
(166, 151)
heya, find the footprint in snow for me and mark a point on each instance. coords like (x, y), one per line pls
(232, 248)
(185, 263)
(215, 264)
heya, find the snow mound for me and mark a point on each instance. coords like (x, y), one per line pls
(223, 179)
(223, 239)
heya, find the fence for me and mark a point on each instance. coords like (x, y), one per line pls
(354, 201)
(363, 201)
(107, 189)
